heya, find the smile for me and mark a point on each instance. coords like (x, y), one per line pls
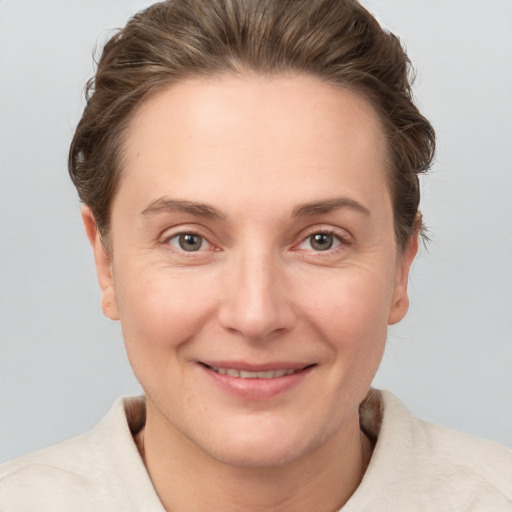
(242, 374)
(251, 382)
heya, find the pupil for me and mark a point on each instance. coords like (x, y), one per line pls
(322, 241)
(190, 242)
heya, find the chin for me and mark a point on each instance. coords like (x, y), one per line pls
(255, 455)
(262, 444)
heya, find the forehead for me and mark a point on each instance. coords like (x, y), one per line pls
(257, 106)
(254, 133)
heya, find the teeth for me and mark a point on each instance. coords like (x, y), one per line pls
(271, 374)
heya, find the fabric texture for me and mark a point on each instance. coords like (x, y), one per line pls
(415, 466)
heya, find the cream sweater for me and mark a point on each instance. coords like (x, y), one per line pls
(416, 466)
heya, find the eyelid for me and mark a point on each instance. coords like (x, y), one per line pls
(190, 229)
(341, 235)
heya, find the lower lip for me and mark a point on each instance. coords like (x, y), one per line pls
(256, 389)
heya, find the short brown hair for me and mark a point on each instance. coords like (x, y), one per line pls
(337, 41)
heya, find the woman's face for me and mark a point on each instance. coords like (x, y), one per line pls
(253, 265)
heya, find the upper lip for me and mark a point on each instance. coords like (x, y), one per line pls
(251, 367)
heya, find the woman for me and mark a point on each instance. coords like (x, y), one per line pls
(249, 174)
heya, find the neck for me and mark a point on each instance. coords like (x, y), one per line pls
(189, 480)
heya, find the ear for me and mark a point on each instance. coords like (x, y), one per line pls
(400, 303)
(103, 266)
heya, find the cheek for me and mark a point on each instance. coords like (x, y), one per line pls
(160, 311)
(351, 314)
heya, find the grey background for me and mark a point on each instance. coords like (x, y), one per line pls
(62, 364)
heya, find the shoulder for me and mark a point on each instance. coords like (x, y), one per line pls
(421, 462)
(84, 473)
(446, 449)
(52, 477)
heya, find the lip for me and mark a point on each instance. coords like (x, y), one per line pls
(255, 389)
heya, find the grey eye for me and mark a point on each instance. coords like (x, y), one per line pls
(321, 241)
(189, 242)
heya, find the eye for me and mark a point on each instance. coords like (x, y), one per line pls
(189, 242)
(321, 241)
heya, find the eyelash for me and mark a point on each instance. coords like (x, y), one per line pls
(340, 240)
(176, 236)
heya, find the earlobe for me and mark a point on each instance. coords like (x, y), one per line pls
(103, 263)
(400, 303)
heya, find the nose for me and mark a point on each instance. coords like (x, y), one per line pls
(255, 298)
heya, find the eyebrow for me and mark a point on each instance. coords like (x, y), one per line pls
(319, 207)
(167, 205)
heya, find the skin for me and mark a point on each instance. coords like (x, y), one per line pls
(275, 161)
